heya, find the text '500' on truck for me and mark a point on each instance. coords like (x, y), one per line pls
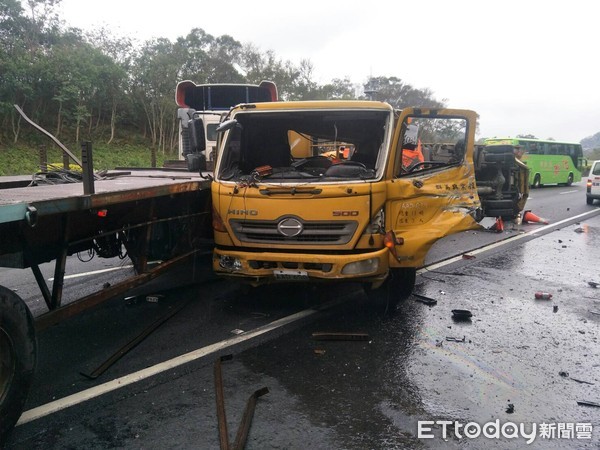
(210, 102)
(349, 190)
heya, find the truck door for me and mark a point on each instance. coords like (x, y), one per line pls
(430, 181)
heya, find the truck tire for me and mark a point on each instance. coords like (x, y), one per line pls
(396, 288)
(537, 181)
(18, 348)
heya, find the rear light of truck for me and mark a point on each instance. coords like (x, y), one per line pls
(588, 185)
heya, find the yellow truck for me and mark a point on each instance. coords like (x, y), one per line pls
(284, 212)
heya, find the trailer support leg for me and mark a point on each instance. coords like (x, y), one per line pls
(37, 273)
(59, 279)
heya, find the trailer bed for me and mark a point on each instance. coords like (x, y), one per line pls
(116, 187)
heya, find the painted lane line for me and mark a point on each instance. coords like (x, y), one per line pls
(96, 391)
(94, 272)
(88, 394)
(567, 192)
(506, 241)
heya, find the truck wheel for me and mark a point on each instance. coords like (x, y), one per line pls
(397, 287)
(537, 181)
(18, 348)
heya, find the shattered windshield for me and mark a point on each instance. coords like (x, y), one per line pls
(305, 146)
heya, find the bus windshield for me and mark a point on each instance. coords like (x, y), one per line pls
(549, 162)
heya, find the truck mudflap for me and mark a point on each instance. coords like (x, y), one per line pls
(267, 267)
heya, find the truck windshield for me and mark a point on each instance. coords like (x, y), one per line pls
(305, 145)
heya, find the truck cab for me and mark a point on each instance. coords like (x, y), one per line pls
(203, 106)
(285, 209)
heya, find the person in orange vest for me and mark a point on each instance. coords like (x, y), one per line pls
(412, 154)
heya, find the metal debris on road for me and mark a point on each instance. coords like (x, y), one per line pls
(242, 434)
(220, 399)
(455, 339)
(244, 428)
(586, 403)
(131, 344)
(426, 300)
(339, 336)
(581, 381)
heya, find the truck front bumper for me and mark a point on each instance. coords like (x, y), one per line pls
(269, 267)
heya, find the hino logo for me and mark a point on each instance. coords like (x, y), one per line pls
(290, 227)
(242, 212)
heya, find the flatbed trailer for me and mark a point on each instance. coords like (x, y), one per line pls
(151, 214)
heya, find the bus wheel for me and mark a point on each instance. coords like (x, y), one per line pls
(17, 358)
(570, 180)
(537, 181)
(397, 287)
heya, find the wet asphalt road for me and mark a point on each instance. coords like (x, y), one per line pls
(345, 394)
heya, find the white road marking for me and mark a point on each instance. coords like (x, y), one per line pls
(567, 192)
(506, 241)
(88, 394)
(94, 272)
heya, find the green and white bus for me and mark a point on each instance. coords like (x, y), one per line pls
(549, 162)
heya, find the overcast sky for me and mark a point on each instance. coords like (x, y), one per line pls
(525, 66)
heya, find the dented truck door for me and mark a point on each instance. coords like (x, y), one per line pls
(430, 181)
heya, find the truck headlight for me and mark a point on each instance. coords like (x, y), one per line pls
(229, 263)
(361, 267)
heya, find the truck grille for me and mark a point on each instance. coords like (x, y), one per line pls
(316, 232)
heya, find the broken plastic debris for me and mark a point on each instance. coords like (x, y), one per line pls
(543, 295)
(461, 314)
(467, 256)
(593, 284)
(153, 298)
(319, 351)
(510, 409)
(237, 331)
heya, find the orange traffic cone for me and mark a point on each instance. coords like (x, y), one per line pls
(528, 216)
(498, 227)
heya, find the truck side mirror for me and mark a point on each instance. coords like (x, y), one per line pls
(196, 160)
(197, 135)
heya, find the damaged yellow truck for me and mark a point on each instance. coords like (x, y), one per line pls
(283, 211)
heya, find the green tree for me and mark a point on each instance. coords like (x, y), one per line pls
(399, 94)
